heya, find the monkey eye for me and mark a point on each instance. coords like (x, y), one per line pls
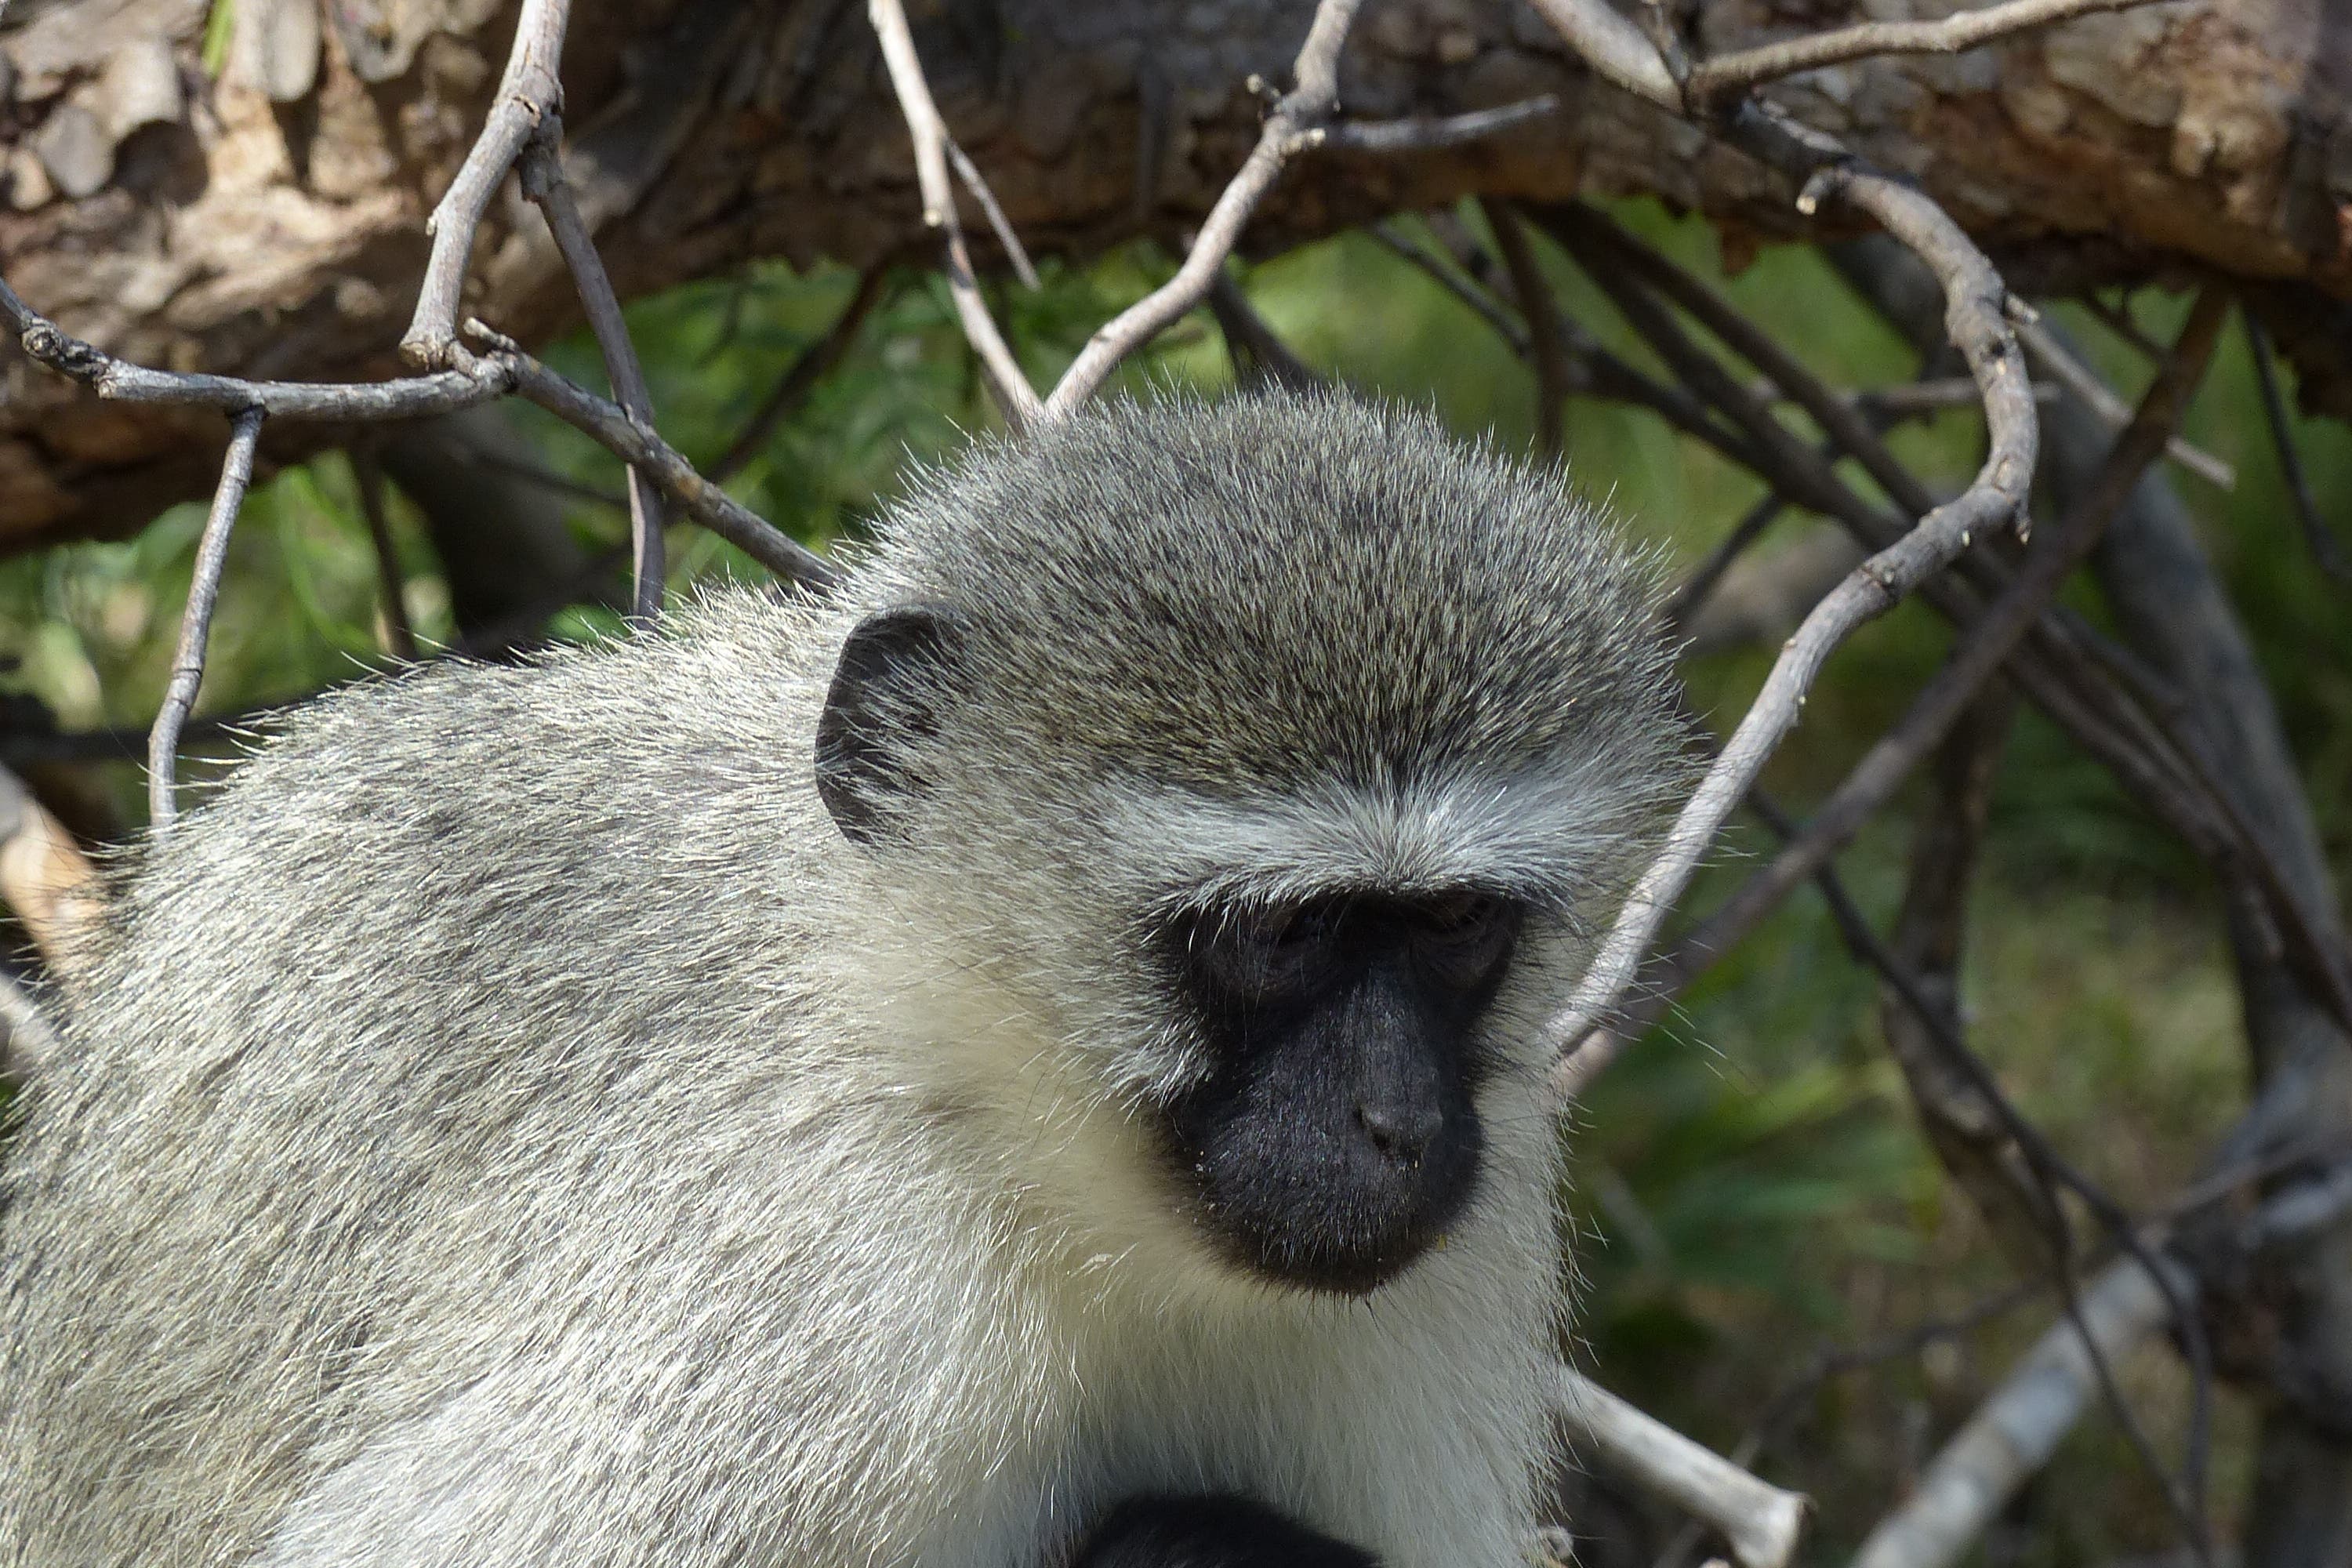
(1463, 938)
(1251, 956)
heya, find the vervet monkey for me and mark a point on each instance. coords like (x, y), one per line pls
(1028, 1061)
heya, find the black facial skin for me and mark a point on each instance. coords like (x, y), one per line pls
(1334, 1138)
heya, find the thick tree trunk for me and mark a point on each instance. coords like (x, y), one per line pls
(268, 221)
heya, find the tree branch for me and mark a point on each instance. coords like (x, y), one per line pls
(543, 182)
(2326, 551)
(197, 625)
(1534, 294)
(1428, 133)
(811, 366)
(529, 90)
(1714, 78)
(1015, 398)
(1760, 1522)
(368, 472)
(1297, 122)
(2046, 346)
(1972, 294)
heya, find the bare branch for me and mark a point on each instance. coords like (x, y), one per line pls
(1533, 291)
(528, 91)
(1614, 48)
(2084, 382)
(2013, 1434)
(542, 476)
(1991, 640)
(1760, 1520)
(470, 378)
(2117, 318)
(369, 473)
(1426, 133)
(611, 427)
(197, 625)
(1297, 120)
(1693, 592)
(1015, 396)
(1712, 80)
(969, 172)
(543, 182)
(120, 381)
(2326, 551)
(1972, 294)
(2090, 710)
(1592, 370)
(810, 367)
(1489, 309)
(1258, 354)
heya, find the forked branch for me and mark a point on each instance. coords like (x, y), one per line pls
(1015, 396)
(1297, 120)
(528, 91)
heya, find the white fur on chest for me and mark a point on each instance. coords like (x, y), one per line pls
(1406, 1422)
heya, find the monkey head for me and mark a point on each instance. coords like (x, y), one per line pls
(1253, 777)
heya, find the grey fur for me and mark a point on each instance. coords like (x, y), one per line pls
(509, 1125)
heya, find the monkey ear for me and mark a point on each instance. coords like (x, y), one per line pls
(890, 686)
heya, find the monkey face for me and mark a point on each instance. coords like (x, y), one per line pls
(1334, 1138)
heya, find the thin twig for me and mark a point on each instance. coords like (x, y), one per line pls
(2326, 551)
(1257, 352)
(1427, 133)
(969, 172)
(545, 478)
(1592, 370)
(1744, 69)
(197, 625)
(1839, 417)
(368, 473)
(1015, 398)
(1694, 590)
(2084, 383)
(809, 367)
(1989, 639)
(2013, 1434)
(543, 182)
(2118, 321)
(2098, 718)
(1490, 310)
(1298, 119)
(120, 381)
(1536, 303)
(472, 378)
(1891, 405)
(2007, 1166)
(529, 90)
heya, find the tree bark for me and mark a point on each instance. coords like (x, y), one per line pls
(268, 221)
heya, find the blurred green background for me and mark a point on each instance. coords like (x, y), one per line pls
(1749, 1185)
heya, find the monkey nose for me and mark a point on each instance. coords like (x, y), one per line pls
(1401, 1133)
